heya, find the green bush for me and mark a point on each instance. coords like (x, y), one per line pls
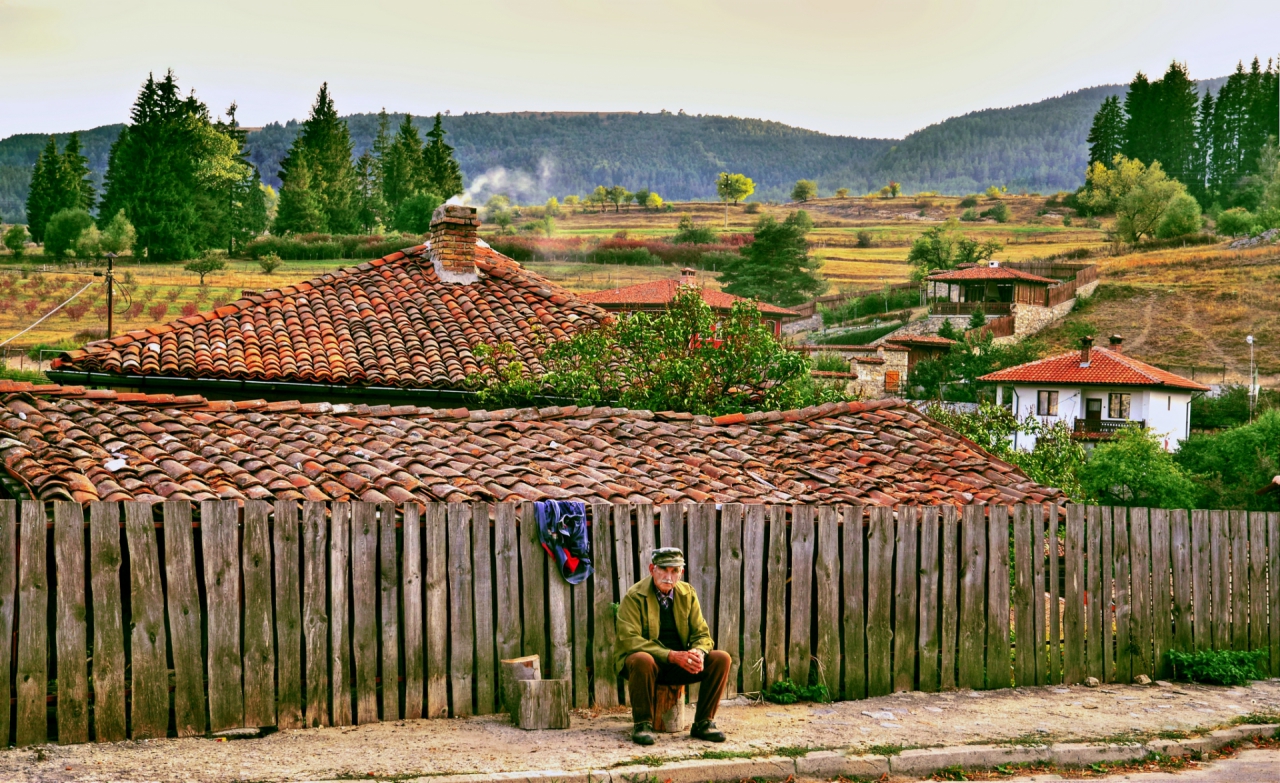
(1237, 222)
(64, 229)
(970, 216)
(865, 238)
(830, 362)
(859, 337)
(695, 235)
(1218, 667)
(969, 201)
(787, 692)
(627, 256)
(414, 213)
(1181, 217)
(1000, 212)
(318, 247)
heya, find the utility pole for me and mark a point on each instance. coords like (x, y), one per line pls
(1253, 380)
(111, 309)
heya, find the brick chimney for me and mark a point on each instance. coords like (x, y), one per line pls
(453, 243)
(1117, 343)
(688, 276)
(1086, 345)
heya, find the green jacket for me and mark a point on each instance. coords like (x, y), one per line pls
(639, 621)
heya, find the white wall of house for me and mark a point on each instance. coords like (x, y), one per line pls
(1167, 412)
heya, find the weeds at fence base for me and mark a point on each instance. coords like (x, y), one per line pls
(1218, 667)
(787, 692)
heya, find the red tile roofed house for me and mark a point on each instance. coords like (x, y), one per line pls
(1035, 293)
(657, 294)
(76, 444)
(405, 325)
(1096, 391)
(921, 346)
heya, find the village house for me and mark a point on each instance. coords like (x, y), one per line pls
(402, 328)
(1096, 392)
(656, 295)
(1031, 295)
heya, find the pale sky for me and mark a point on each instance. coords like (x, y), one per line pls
(855, 67)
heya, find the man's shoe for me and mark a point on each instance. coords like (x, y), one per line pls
(642, 733)
(706, 730)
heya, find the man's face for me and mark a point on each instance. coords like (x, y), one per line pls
(665, 577)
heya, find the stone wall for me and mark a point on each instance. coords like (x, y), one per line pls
(1029, 319)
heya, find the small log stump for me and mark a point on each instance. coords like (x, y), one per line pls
(668, 710)
(513, 671)
(543, 704)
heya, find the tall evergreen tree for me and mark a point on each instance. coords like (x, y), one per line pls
(371, 210)
(299, 210)
(325, 146)
(77, 182)
(403, 166)
(1106, 137)
(1140, 108)
(1199, 186)
(441, 173)
(41, 203)
(1174, 129)
(1227, 159)
(236, 208)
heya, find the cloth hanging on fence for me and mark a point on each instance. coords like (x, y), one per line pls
(562, 531)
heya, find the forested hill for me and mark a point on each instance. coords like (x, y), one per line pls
(533, 155)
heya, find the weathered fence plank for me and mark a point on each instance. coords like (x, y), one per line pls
(1259, 638)
(623, 551)
(1183, 580)
(285, 543)
(1140, 636)
(1161, 591)
(1074, 591)
(1203, 599)
(435, 545)
(219, 531)
(671, 525)
(149, 715)
(259, 649)
(33, 635)
(1219, 546)
(73, 672)
(880, 536)
(1024, 594)
(339, 608)
(486, 660)
(950, 595)
(906, 597)
(973, 597)
(929, 608)
(1239, 580)
(1109, 603)
(315, 611)
(999, 662)
(775, 615)
(1123, 597)
(1055, 595)
(752, 663)
(533, 578)
(559, 622)
(703, 556)
(1039, 546)
(560, 605)
(506, 581)
(604, 669)
(389, 611)
(853, 589)
(799, 643)
(826, 590)
(729, 628)
(185, 620)
(646, 539)
(364, 605)
(8, 584)
(461, 612)
(581, 601)
(1273, 567)
(1094, 599)
(414, 620)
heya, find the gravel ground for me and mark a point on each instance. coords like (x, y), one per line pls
(408, 748)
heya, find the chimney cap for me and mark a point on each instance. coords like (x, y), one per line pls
(1116, 339)
(993, 263)
(454, 213)
(1086, 341)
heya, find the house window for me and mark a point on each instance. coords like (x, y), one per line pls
(891, 380)
(1118, 406)
(1047, 403)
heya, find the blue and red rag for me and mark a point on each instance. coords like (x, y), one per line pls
(562, 531)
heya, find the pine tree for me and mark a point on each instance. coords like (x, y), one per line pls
(40, 204)
(441, 173)
(776, 267)
(1226, 160)
(1139, 128)
(1199, 186)
(77, 183)
(324, 146)
(1107, 134)
(1174, 137)
(370, 209)
(299, 210)
(402, 166)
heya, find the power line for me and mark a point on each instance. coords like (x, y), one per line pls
(46, 315)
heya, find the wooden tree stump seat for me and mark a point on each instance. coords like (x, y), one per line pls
(668, 710)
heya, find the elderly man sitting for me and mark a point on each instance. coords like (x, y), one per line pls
(663, 640)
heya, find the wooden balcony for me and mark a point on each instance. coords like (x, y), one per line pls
(1097, 428)
(968, 308)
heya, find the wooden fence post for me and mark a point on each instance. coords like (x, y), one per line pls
(973, 597)
(315, 611)
(1074, 591)
(33, 635)
(339, 601)
(775, 617)
(73, 674)
(8, 583)
(108, 629)
(950, 593)
(799, 644)
(461, 611)
(185, 621)
(880, 536)
(906, 597)
(219, 528)
(150, 681)
(853, 585)
(389, 610)
(288, 586)
(729, 609)
(753, 552)
(604, 667)
(364, 605)
(1024, 596)
(435, 538)
(259, 619)
(414, 619)
(999, 663)
(1219, 547)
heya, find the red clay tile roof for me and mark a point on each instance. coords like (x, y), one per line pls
(388, 322)
(989, 273)
(661, 292)
(1106, 368)
(922, 340)
(67, 443)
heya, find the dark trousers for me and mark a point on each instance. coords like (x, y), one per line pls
(645, 675)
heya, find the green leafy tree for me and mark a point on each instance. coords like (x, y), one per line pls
(1133, 469)
(414, 214)
(842, 193)
(210, 262)
(895, 189)
(776, 267)
(64, 230)
(441, 173)
(804, 190)
(1230, 467)
(617, 196)
(1181, 217)
(118, 235)
(955, 375)
(269, 263)
(324, 148)
(1106, 136)
(299, 210)
(733, 188)
(653, 202)
(934, 250)
(1236, 221)
(235, 207)
(16, 240)
(552, 208)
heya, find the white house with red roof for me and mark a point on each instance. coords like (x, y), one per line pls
(656, 295)
(1096, 392)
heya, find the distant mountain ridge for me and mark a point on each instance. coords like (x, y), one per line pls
(532, 155)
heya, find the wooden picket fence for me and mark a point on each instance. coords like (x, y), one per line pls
(180, 619)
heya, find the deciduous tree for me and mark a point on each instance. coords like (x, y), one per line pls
(804, 190)
(733, 188)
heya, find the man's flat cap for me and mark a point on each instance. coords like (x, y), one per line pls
(668, 557)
